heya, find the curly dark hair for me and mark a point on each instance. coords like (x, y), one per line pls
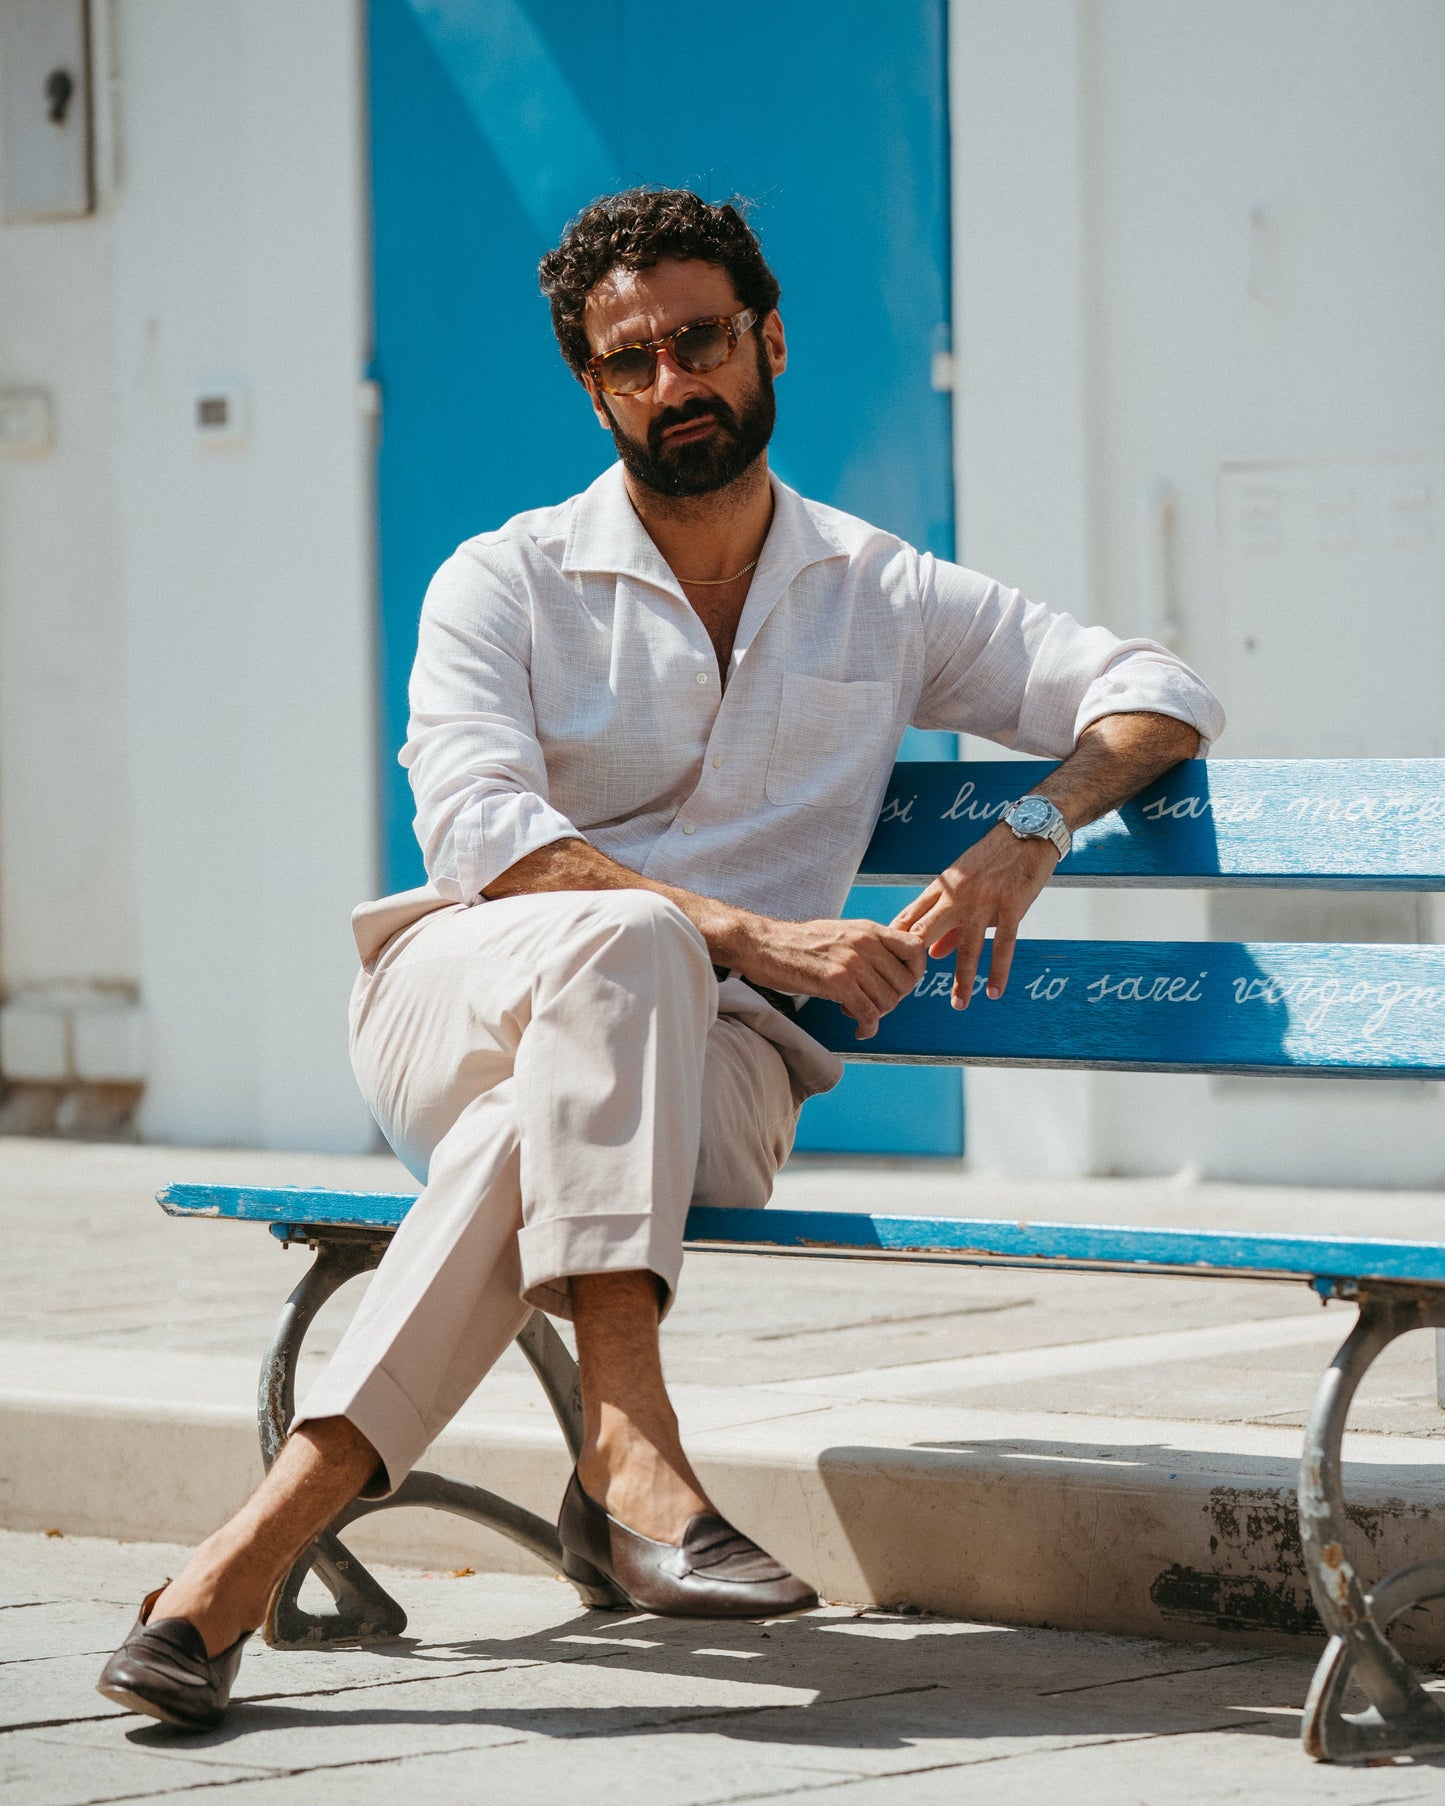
(637, 229)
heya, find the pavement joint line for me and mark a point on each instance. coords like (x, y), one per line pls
(834, 1329)
(1053, 1749)
(60, 1724)
(394, 1680)
(1105, 1354)
(836, 1778)
(1161, 1674)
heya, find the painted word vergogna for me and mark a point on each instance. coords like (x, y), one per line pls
(1324, 995)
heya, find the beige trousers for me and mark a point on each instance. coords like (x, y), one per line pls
(554, 1068)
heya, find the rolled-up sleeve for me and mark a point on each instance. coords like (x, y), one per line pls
(998, 665)
(477, 773)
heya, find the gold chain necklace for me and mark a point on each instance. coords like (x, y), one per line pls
(717, 582)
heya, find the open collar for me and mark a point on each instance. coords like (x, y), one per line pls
(605, 535)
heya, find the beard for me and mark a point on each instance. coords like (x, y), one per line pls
(709, 464)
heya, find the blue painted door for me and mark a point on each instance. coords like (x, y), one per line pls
(492, 121)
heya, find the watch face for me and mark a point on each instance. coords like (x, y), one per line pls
(1032, 814)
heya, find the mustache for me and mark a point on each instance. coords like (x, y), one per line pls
(696, 409)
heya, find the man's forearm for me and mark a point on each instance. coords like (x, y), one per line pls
(1115, 759)
(577, 865)
(865, 967)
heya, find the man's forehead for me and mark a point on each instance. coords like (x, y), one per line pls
(641, 304)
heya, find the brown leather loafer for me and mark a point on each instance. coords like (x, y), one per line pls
(714, 1572)
(163, 1669)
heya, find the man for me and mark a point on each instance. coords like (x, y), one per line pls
(650, 731)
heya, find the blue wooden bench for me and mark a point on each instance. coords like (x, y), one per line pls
(1365, 1011)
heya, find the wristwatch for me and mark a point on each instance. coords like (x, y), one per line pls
(1036, 818)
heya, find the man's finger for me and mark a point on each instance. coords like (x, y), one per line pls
(927, 925)
(1004, 936)
(970, 947)
(920, 906)
(900, 958)
(879, 989)
(864, 1012)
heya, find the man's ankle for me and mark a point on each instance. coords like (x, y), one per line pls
(215, 1603)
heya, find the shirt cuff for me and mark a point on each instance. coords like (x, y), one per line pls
(1152, 683)
(494, 832)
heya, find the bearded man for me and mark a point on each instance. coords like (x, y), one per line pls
(651, 727)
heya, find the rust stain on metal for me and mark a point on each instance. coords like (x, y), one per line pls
(1332, 1555)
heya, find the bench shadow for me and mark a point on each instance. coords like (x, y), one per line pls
(872, 1681)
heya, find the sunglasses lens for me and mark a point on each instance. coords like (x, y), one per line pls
(628, 371)
(702, 347)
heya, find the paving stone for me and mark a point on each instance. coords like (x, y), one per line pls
(42, 1768)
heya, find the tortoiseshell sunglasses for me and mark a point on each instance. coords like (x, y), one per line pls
(698, 347)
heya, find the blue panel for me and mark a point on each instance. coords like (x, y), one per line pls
(492, 120)
(1177, 1006)
(1207, 1253)
(1370, 824)
(883, 1109)
(480, 418)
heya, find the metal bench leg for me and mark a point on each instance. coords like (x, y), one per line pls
(365, 1612)
(1402, 1718)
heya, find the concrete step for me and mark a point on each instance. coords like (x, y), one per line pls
(1084, 1522)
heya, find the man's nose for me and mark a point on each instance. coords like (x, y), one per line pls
(672, 384)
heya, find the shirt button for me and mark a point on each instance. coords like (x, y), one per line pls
(689, 828)
(702, 677)
(717, 761)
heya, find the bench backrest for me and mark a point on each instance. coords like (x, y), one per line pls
(1370, 1010)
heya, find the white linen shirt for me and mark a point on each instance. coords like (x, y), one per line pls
(564, 688)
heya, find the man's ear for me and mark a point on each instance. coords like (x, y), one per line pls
(594, 395)
(776, 342)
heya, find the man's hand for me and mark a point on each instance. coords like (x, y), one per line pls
(864, 967)
(995, 882)
(992, 885)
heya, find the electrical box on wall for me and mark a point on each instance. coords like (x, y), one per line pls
(46, 137)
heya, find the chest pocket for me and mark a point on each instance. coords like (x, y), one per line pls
(830, 740)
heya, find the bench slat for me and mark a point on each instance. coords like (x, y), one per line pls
(286, 1204)
(1361, 1009)
(965, 1240)
(1325, 824)
(1086, 1246)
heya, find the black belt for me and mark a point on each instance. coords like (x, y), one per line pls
(780, 1000)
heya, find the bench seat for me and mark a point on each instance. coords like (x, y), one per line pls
(1333, 1267)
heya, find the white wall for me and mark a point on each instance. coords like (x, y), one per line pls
(186, 722)
(1200, 250)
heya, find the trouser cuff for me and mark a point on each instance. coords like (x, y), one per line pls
(561, 1248)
